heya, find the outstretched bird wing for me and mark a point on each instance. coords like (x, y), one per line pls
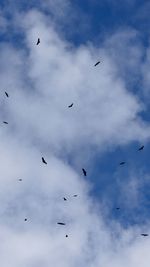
(43, 160)
(60, 223)
(70, 105)
(97, 63)
(84, 171)
(38, 41)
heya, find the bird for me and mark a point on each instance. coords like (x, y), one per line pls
(6, 94)
(144, 234)
(70, 106)
(117, 208)
(43, 160)
(25, 219)
(122, 163)
(38, 41)
(96, 63)
(66, 235)
(60, 223)
(19, 180)
(84, 172)
(141, 148)
(75, 195)
(65, 199)
(5, 122)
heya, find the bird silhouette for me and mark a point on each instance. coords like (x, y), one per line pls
(43, 160)
(70, 105)
(60, 223)
(117, 208)
(84, 171)
(19, 180)
(25, 219)
(65, 199)
(5, 122)
(75, 195)
(96, 63)
(144, 234)
(66, 235)
(6, 94)
(122, 163)
(38, 41)
(141, 148)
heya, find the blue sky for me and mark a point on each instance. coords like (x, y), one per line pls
(107, 124)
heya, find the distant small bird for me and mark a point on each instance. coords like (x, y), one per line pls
(60, 223)
(70, 106)
(19, 180)
(5, 122)
(96, 63)
(75, 195)
(6, 94)
(144, 234)
(141, 148)
(117, 208)
(122, 163)
(66, 235)
(25, 219)
(38, 41)
(65, 199)
(84, 172)
(43, 160)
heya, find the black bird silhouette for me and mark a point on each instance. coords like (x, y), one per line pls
(84, 172)
(144, 234)
(141, 148)
(96, 63)
(65, 199)
(60, 223)
(75, 195)
(38, 41)
(5, 122)
(117, 208)
(66, 235)
(25, 219)
(6, 94)
(70, 106)
(19, 180)
(43, 160)
(122, 163)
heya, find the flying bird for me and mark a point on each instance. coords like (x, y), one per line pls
(38, 41)
(6, 94)
(43, 160)
(117, 208)
(19, 180)
(144, 234)
(60, 223)
(141, 148)
(65, 199)
(70, 106)
(84, 172)
(66, 235)
(96, 63)
(75, 195)
(5, 122)
(122, 163)
(25, 219)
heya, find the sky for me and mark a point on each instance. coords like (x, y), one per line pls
(107, 124)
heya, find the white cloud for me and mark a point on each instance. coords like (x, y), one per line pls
(42, 81)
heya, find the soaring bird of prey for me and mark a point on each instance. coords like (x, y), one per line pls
(5, 122)
(122, 163)
(65, 199)
(6, 94)
(75, 195)
(84, 172)
(43, 160)
(144, 234)
(70, 106)
(38, 41)
(60, 223)
(141, 148)
(96, 63)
